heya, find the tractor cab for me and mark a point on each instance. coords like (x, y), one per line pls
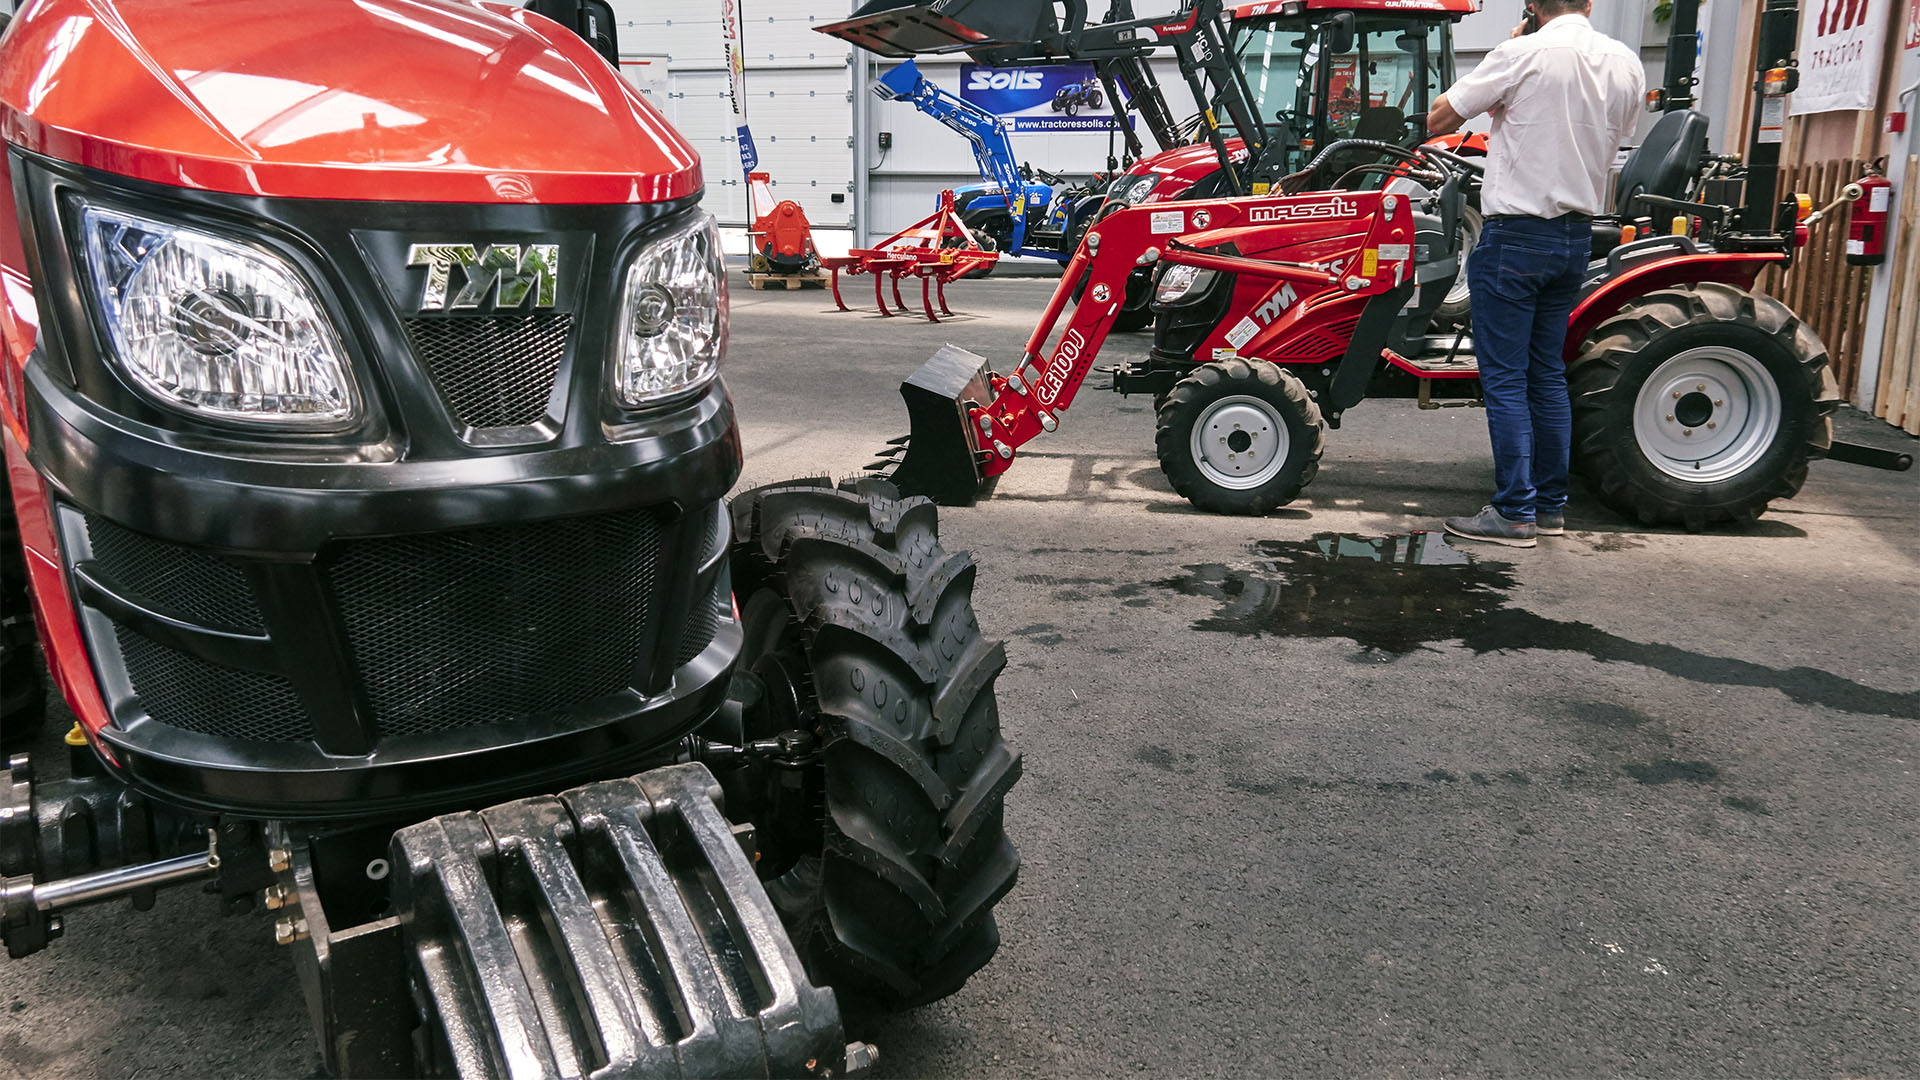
(1321, 74)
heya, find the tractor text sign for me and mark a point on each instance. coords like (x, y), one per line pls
(1840, 46)
(1054, 97)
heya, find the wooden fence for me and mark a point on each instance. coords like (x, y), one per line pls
(1821, 288)
(1897, 394)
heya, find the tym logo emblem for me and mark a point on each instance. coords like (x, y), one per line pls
(1323, 210)
(1004, 80)
(1275, 305)
(519, 272)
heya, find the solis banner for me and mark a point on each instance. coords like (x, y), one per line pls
(1840, 46)
(1051, 98)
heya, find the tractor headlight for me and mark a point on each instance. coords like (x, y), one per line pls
(673, 315)
(1181, 284)
(1139, 189)
(213, 327)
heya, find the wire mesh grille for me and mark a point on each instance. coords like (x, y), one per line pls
(468, 628)
(495, 370)
(184, 691)
(188, 584)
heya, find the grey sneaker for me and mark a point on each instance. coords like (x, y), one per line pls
(1488, 525)
(1550, 524)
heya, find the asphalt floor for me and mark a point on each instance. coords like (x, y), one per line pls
(1311, 794)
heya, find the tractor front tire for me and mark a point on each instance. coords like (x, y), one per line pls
(1239, 437)
(1700, 405)
(861, 626)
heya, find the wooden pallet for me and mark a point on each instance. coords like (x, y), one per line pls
(785, 281)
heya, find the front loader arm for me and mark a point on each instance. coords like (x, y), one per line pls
(1028, 401)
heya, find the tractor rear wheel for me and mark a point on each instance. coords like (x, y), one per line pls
(860, 628)
(23, 699)
(1700, 405)
(1239, 437)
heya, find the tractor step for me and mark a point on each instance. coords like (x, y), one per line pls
(760, 281)
(615, 929)
(1438, 365)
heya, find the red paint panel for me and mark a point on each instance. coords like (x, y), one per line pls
(1605, 302)
(417, 100)
(53, 612)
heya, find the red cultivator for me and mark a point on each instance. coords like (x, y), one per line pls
(935, 249)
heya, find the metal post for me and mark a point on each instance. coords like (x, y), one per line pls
(1779, 22)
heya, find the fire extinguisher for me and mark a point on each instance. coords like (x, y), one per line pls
(1872, 199)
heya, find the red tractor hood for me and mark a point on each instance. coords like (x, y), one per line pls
(405, 100)
(1182, 167)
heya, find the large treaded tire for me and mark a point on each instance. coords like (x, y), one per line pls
(1188, 403)
(23, 697)
(896, 909)
(1623, 352)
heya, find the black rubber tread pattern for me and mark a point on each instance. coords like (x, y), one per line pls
(898, 911)
(1180, 410)
(1625, 349)
(23, 697)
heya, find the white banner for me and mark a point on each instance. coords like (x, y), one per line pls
(736, 79)
(1840, 46)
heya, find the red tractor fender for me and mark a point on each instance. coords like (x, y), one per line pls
(1603, 303)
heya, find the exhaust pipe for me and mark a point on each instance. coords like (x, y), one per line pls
(940, 458)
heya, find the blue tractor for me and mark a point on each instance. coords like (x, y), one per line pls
(1050, 213)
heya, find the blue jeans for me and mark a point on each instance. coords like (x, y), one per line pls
(1525, 274)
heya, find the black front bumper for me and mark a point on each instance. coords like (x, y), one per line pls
(286, 640)
(464, 596)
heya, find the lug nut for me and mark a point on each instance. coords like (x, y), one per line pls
(276, 897)
(279, 860)
(1711, 425)
(1686, 431)
(289, 929)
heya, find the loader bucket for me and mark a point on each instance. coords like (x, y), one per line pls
(891, 28)
(940, 458)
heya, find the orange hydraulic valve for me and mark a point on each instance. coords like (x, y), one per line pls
(782, 237)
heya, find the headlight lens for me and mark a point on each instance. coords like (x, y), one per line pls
(1181, 284)
(213, 327)
(673, 312)
(1140, 188)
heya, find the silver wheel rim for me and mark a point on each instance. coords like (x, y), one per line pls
(1707, 414)
(1240, 442)
(1462, 291)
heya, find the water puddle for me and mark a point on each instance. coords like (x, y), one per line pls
(1395, 594)
(1390, 594)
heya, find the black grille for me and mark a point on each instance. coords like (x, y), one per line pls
(184, 691)
(468, 628)
(182, 582)
(704, 623)
(495, 370)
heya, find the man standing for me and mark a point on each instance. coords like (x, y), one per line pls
(1563, 98)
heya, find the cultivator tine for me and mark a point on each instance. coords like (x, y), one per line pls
(926, 298)
(940, 458)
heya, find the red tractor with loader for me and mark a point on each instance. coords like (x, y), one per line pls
(1696, 399)
(366, 465)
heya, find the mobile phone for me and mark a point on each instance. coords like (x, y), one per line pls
(1532, 22)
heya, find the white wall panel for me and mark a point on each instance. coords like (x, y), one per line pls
(796, 92)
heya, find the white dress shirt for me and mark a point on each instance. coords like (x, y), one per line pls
(1563, 100)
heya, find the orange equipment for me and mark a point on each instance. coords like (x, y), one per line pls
(936, 249)
(781, 235)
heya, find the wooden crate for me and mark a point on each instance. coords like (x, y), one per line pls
(786, 281)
